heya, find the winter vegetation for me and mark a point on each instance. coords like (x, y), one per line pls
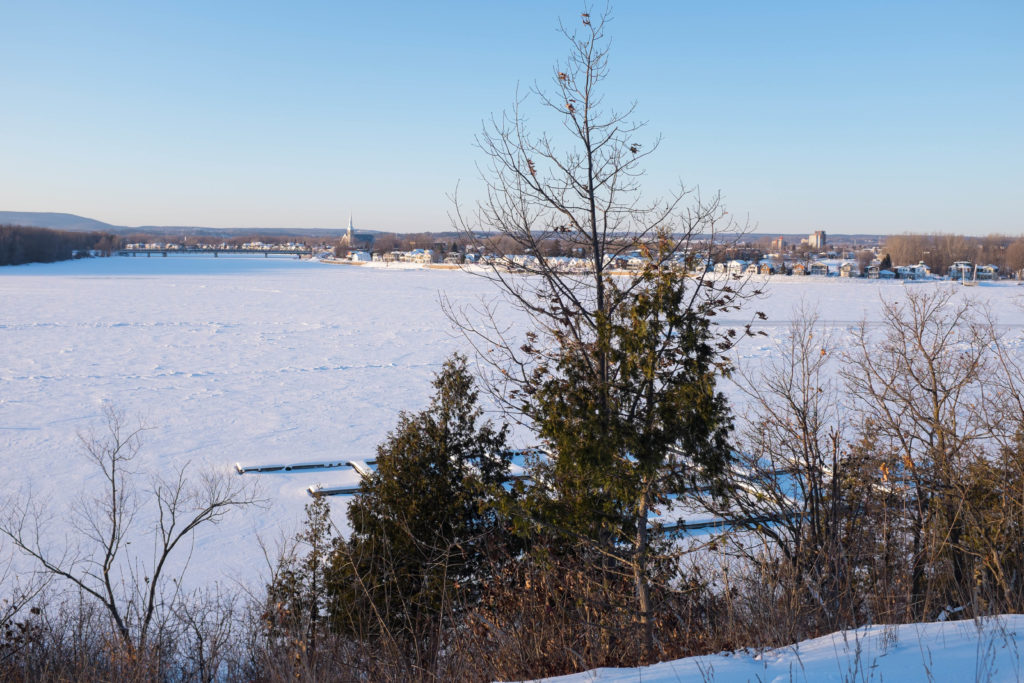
(841, 555)
(855, 453)
(20, 245)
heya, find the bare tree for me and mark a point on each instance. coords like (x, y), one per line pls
(209, 626)
(808, 488)
(921, 386)
(1015, 257)
(19, 593)
(616, 371)
(791, 438)
(579, 187)
(135, 591)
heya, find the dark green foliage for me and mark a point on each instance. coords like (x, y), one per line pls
(633, 418)
(20, 245)
(658, 416)
(296, 597)
(424, 530)
(422, 523)
(993, 490)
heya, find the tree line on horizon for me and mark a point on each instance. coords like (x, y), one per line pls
(20, 245)
(939, 250)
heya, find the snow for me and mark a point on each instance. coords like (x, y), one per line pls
(988, 650)
(234, 359)
(258, 360)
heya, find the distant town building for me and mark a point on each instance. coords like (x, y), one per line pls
(961, 270)
(987, 272)
(817, 239)
(356, 240)
(778, 244)
(737, 267)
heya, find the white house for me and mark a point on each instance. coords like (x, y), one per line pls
(818, 268)
(961, 270)
(987, 272)
(737, 267)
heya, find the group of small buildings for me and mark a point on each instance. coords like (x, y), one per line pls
(777, 266)
(823, 264)
(222, 246)
(410, 256)
(847, 268)
(770, 265)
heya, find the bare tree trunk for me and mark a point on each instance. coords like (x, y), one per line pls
(641, 575)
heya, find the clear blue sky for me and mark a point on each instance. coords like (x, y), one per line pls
(848, 116)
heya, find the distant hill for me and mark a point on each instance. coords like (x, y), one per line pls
(56, 221)
(71, 222)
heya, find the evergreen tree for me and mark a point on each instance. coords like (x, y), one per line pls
(627, 445)
(618, 371)
(422, 522)
(296, 597)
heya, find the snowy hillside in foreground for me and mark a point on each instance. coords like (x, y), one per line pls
(992, 650)
(259, 360)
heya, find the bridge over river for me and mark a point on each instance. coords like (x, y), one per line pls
(215, 251)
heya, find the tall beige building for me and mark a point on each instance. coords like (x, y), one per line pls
(817, 239)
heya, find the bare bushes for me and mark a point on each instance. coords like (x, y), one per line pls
(555, 611)
(66, 636)
(894, 493)
(119, 608)
(791, 447)
(880, 483)
(544, 609)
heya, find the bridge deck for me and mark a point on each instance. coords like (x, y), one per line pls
(215, 252)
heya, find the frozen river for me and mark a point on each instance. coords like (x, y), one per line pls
(262, 360)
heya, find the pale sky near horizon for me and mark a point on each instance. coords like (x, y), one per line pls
(875, 117)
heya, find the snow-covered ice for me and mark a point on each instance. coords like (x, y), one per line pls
(226, 360)
(258, 360)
